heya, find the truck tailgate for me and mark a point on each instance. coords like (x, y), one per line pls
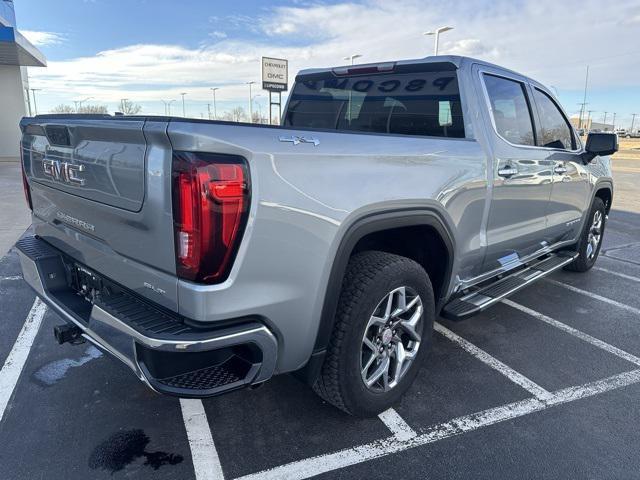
(101, 193)
(107, 155)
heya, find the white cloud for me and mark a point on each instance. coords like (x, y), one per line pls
(43, 38)
(551, 40)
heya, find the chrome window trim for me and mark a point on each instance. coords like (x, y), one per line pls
(562, 114)
(527, 84)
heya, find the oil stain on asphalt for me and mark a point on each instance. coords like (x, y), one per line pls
(123, 448)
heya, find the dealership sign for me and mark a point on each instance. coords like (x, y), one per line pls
(275, 74)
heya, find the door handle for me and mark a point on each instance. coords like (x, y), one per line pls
(507, 171)
(560, 169)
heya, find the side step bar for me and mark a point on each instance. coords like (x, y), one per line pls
(483, 297)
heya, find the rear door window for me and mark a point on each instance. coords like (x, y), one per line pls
(554, 130)
(415, 103)
(510, 109)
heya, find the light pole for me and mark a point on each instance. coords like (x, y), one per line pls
(437, 33)
(215, 110)
(28, 100)
(584, 100)
(588, 123)
(167, 106)
(614, 121)
(80, 102)
(259, 107)
(184, 111)
(604, 121)
(633, 120)
(582, 112)
(35, 103)
(250, 103)
(351, 58)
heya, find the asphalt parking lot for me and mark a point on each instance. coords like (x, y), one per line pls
(544, 385)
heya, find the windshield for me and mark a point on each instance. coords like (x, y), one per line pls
(416, 103)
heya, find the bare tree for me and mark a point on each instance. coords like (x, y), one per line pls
(236, 115)
(258, 118)
(62, 108)
(94, 109)
(129, 108)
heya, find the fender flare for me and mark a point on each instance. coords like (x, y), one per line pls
(604, 184)
(372, 223)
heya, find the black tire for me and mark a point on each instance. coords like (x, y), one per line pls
(584, 262)
(369, 278)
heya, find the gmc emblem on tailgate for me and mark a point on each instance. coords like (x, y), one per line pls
(63, 171)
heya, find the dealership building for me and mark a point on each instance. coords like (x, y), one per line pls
(16, 54)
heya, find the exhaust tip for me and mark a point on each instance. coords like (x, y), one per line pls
(68, 334)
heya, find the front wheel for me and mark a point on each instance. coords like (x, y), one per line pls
(591, 238)
(382, 332)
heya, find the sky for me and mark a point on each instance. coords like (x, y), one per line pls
(153, 50)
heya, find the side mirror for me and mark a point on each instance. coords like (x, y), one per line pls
(600, 144)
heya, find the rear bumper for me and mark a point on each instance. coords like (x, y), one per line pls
(164, 352)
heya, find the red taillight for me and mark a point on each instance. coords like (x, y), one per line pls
(210, 205)
(25, 183)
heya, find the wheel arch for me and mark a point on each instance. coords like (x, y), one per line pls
(604, 191)
(359, 230)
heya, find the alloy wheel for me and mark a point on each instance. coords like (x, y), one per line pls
(391, 340)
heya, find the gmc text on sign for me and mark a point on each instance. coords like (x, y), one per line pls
(275, 74)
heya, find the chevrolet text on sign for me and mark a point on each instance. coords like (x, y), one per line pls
(275, 74)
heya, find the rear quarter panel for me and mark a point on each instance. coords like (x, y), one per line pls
(304, 198)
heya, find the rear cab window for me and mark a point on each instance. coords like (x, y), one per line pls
(417, 100)
(511, 110)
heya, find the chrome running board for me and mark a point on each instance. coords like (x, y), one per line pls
(480, 298)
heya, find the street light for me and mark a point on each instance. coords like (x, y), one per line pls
(437, 33)
(35, 104)
(80, 102)
(351, 58)
(184, 112)
(215, 110)
(259, 107)
(167, 106)
(250, 102)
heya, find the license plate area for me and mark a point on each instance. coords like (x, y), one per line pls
(86, 283)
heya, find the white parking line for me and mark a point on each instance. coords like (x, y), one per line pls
(11, 278)
(351, 456)
(394, 422)
(595, 296)
(576, 333)
(204, 455)
(14, 363)
(517, 378)
(618, 274)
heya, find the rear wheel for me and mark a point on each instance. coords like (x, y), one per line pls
(382, 332)
(591, 238)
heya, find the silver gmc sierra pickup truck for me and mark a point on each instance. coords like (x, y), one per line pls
(208, 256)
